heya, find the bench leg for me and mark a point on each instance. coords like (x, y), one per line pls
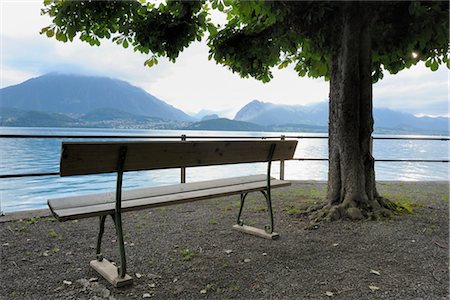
(269, 228)
(267, 233)
(108, 270)
(239, 220)
(99, 238)
(122, 270)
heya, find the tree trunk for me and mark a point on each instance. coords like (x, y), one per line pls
(351, 177)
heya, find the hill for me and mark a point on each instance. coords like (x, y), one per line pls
(225, 125)
(101, 118)
(77, 94)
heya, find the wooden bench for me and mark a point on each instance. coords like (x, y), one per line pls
(83, 158)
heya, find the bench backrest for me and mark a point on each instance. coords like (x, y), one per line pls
(80, 158)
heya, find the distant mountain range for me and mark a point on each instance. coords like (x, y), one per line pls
(59, 100)
(282, 116)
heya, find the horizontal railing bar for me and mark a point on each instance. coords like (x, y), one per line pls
(28, 175)
(310, 159)
(297, 159)
(414, 160)
(130, 137)
(42, 136)
(383, 160)
(413, 138)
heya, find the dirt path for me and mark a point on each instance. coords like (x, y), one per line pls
(190, 252)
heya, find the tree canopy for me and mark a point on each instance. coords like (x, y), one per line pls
(259, 35)
(351, 43)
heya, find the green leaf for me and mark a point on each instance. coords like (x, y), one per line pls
(50, 33)
(125, 43)
(434, 66)
(284, 64)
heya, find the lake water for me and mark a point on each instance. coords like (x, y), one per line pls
(18, 156)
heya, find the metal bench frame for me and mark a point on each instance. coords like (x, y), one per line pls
(117, 276)
(117, 216)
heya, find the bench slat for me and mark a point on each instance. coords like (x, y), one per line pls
(66, 214)
(80, 158)
(109, 197)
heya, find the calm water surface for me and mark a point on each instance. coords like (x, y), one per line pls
(42, 155)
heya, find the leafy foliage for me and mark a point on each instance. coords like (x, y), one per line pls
(258, 35)
(162, 30)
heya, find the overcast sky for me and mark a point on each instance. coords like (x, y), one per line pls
(193, 83)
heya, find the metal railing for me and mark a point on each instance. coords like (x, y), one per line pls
(183, 137)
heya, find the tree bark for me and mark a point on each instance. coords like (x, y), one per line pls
(351, 176)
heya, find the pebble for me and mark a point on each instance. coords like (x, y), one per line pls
(138, 275)
(175, 280)
(67, 282)
(83, 282)
(228, 251)
(247, 260)
(150, 275)
(93, 279)
(146, 295)
(264, 254)
(5, 244)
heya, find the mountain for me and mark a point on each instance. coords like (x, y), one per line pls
(287, 116)
(225, 125)
(77, 94)
(210, 117)
(268, 114)
(204, 112)
(387, 118)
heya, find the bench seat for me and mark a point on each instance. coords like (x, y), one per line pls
(71, 208)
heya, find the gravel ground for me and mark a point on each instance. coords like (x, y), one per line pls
(190, 251)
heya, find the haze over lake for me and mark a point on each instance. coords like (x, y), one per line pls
(20, 156)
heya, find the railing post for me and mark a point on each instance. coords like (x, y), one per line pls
(183, 169)
(283, 137)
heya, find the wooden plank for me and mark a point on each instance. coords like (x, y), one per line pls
(109, 272)
(256, 231)
(109, 197)
(165, 200)
(79, 158)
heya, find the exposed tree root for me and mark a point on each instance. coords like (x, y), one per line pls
(378, 209)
